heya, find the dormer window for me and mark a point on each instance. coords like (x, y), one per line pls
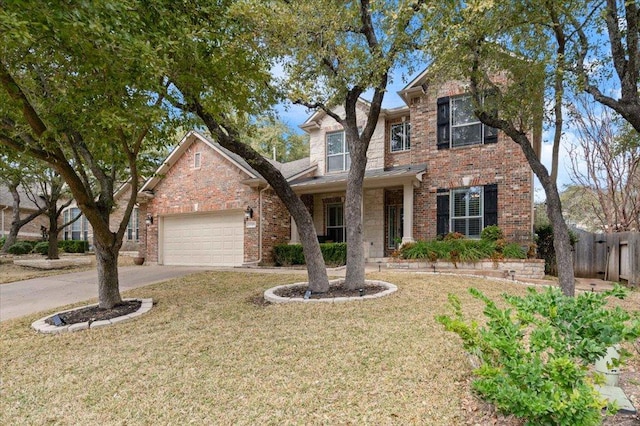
(338, 158)
(400, 136)
(196, 160)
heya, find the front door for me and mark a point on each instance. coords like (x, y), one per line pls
(395, 223)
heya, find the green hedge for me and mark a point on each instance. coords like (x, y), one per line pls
(42, 247)
(21, 247)
(73, 246)
(334, 254)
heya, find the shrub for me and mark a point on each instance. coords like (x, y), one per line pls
(492, 233)
(534, 354)
(2, 240)
(514, 251)
(544, 241)
(453, 236)
(73, 246)
(42, 247)
(21, 247)
(334, 254)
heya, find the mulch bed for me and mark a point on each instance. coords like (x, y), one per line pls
(94, 313)
(334, 291)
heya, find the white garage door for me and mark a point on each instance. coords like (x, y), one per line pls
(204, 239)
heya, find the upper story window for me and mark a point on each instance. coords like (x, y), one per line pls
(338, 158)
(197, 156)
(400, 136)
(79, 229)
(458, 125)
(133, 230)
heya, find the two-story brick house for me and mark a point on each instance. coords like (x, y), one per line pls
(432, 168)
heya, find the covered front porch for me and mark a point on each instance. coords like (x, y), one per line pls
(387, 207)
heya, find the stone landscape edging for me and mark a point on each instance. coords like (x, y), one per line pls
(270, 296)
(42, 327)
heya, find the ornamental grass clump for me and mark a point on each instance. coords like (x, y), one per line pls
(534, 355)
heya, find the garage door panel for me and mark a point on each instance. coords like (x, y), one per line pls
(208, 239)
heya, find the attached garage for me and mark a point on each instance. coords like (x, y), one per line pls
(213, 239)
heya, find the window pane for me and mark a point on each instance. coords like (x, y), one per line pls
(347, 161)
(459, 204)
(474, 201)
(466, 135)
(462, 111)
(407, 136)
(396, 138)
(460, 225)
(335, 163)
(474, 226)
(335, 143)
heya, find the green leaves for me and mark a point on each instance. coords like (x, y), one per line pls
(536, 352)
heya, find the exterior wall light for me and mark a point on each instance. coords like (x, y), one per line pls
(248, 213)
(149, 219)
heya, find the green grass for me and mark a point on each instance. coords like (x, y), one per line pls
(206, 354)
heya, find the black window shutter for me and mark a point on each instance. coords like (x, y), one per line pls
(442, 127)
(442, 215)
(490, 204)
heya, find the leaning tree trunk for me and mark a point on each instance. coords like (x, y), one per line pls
(16, 222)
(108, 284)
(561, 241)
(316, 268)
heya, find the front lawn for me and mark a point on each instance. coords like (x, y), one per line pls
(206, 353)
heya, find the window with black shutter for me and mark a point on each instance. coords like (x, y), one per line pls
(466, 210)
(457, 125)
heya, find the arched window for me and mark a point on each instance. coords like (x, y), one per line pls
(79, 229)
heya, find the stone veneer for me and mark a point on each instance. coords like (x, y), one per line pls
(522, 269)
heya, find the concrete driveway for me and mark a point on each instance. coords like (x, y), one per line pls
(38, 294)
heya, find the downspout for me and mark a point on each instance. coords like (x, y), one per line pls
(255, 262)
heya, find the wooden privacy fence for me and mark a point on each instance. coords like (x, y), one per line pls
(614, 257)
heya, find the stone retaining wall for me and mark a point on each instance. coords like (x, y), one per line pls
(522, 268)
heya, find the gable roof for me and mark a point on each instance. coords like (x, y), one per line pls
(6, 199)
(289, 170)
(417, 85)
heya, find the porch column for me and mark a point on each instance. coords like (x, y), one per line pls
(407, 206)
(295, 238)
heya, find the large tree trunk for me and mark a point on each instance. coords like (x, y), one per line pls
(355, 273)
(53, 252)
(108, 284)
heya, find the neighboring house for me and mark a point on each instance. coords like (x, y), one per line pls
(30, 231)
(81, 229)
(432, 168)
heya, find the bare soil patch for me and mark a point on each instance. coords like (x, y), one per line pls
(95, 313)
(334, 291)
